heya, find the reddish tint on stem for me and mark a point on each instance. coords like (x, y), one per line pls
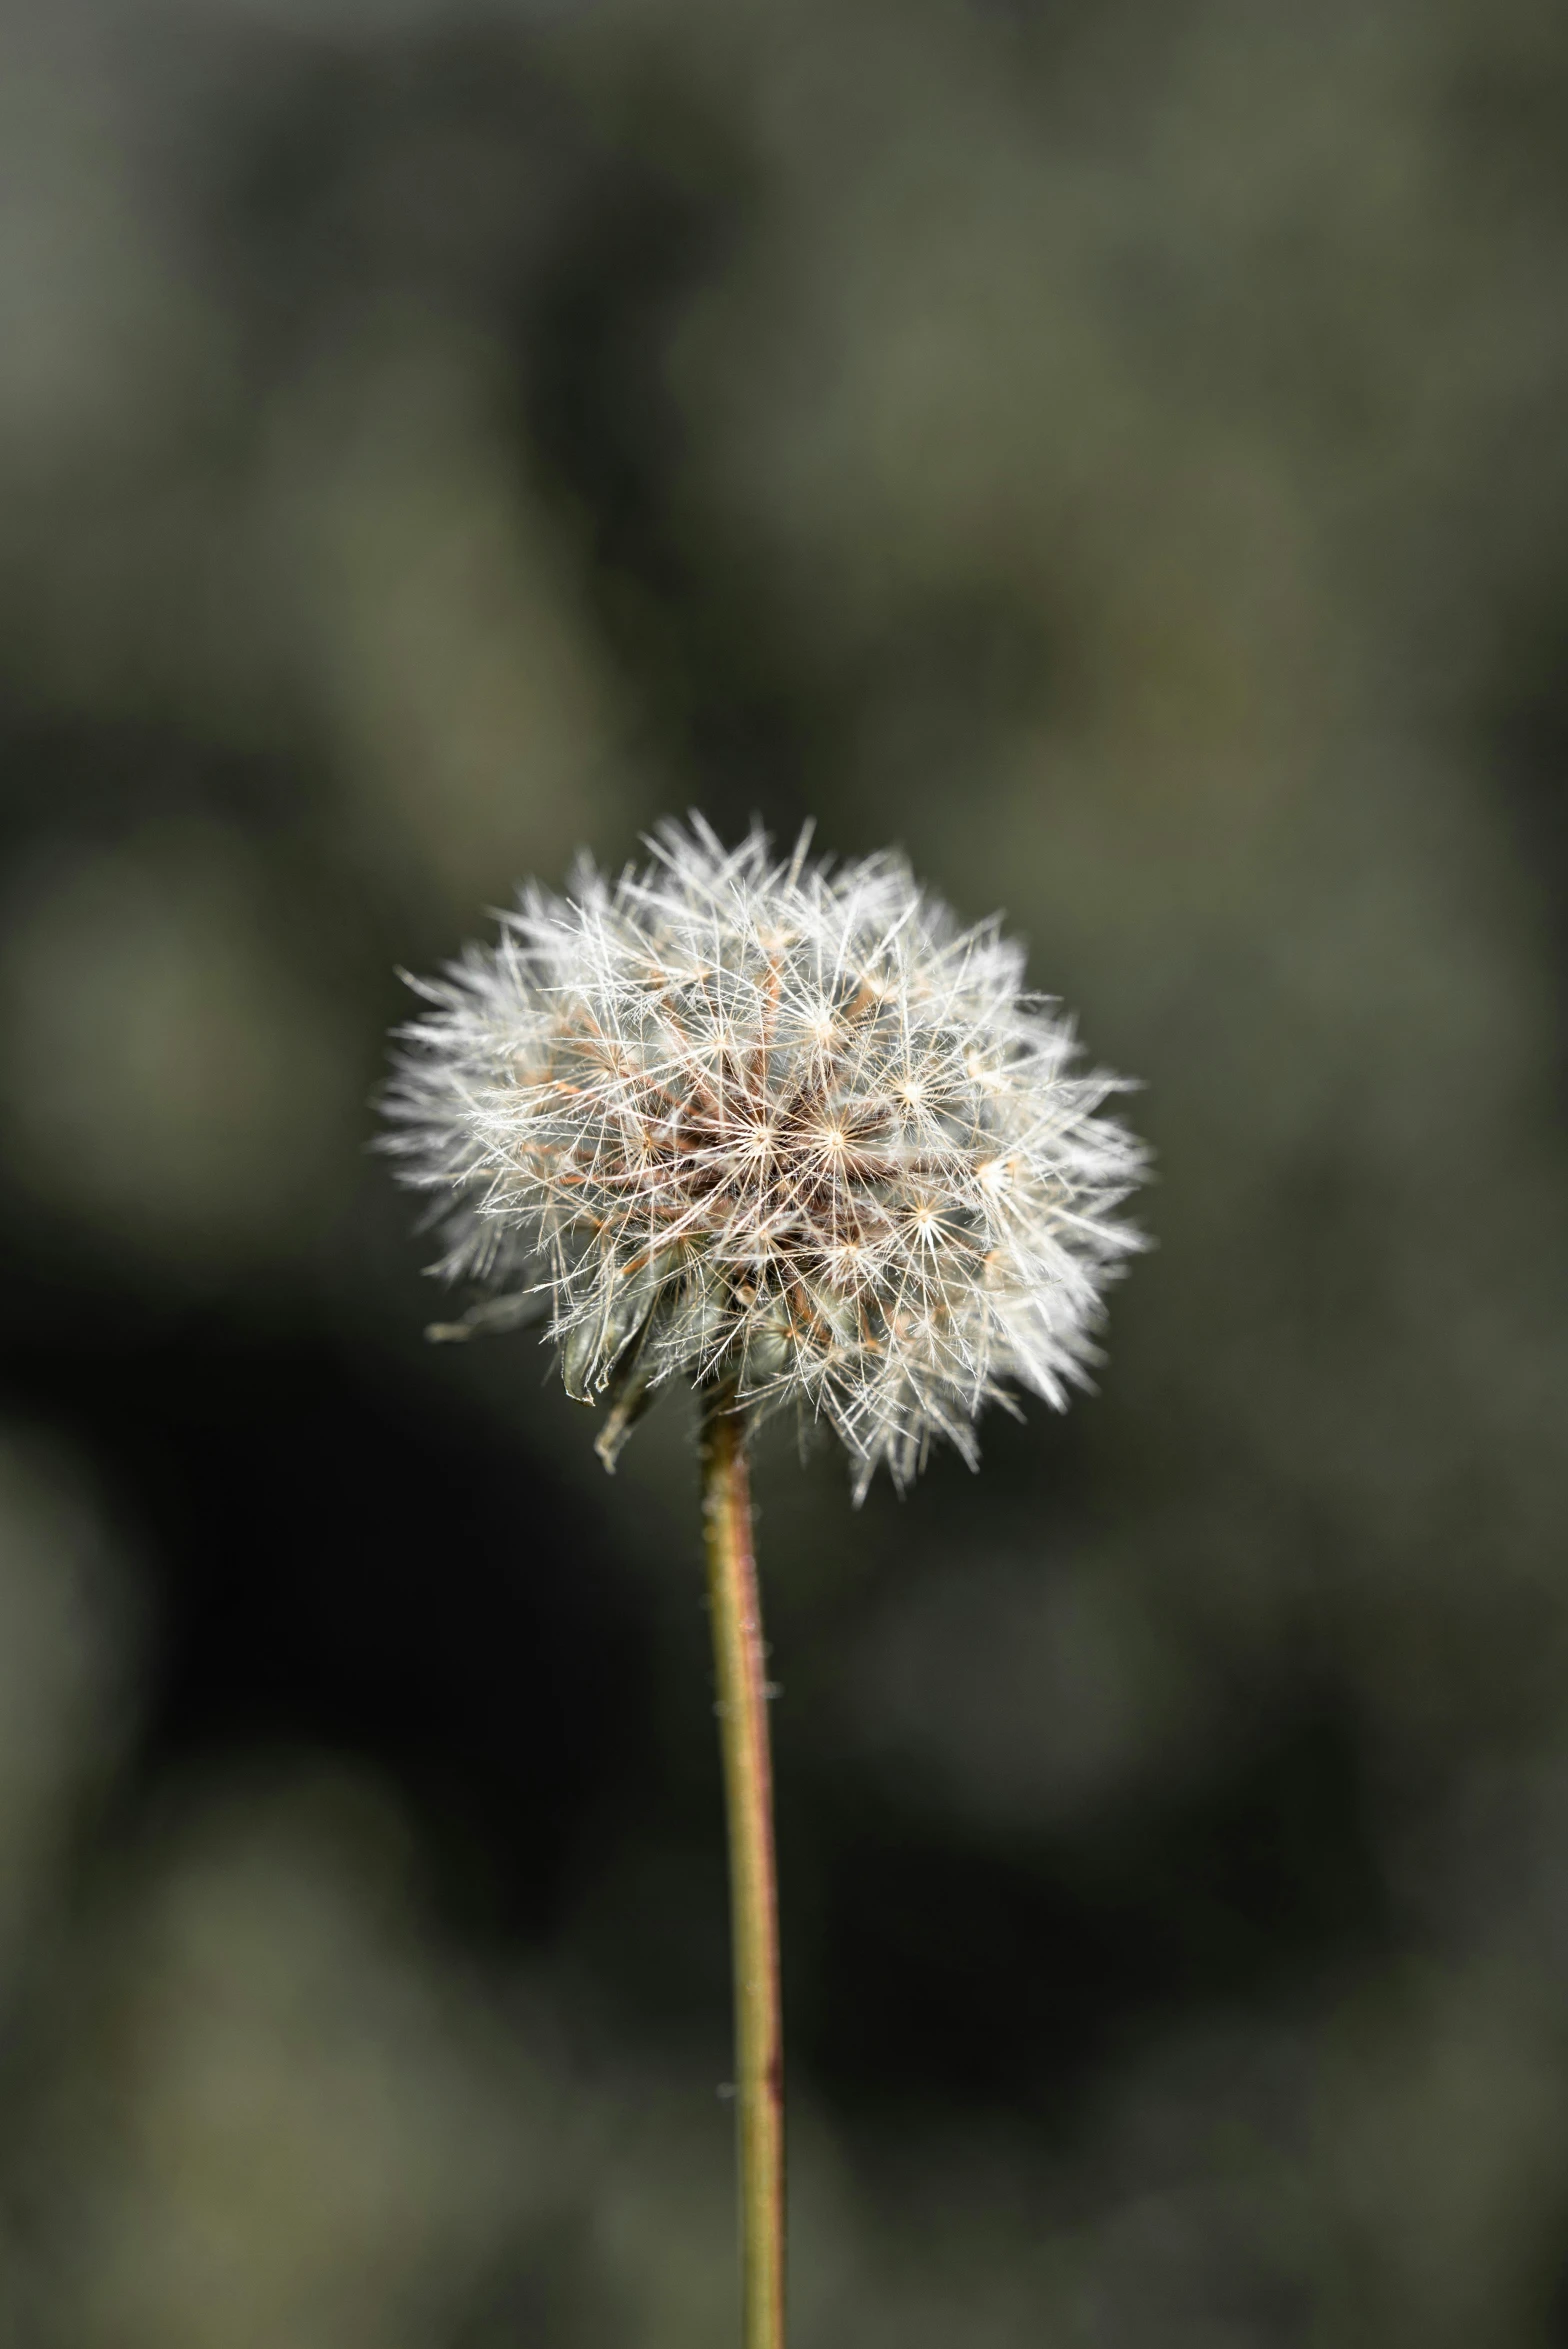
(741, 1665)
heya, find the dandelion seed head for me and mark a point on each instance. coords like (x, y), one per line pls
(783, 1126)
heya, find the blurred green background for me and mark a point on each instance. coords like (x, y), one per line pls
(1117, 449)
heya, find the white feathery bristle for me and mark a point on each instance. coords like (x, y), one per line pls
(780, 1126)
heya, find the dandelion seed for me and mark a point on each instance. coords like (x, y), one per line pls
(780, 1128)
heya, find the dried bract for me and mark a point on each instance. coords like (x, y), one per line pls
(777, 1124)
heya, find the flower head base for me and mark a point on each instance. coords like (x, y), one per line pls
(776, 1125)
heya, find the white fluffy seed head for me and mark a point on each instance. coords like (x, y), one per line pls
(779, 1126)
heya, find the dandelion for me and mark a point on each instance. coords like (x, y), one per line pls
(774, 1128)
(784, 1130)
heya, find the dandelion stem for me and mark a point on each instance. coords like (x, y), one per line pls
(748, 1791)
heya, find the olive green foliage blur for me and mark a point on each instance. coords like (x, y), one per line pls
(1115, 452)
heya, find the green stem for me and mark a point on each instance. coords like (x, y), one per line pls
(741, 1662)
